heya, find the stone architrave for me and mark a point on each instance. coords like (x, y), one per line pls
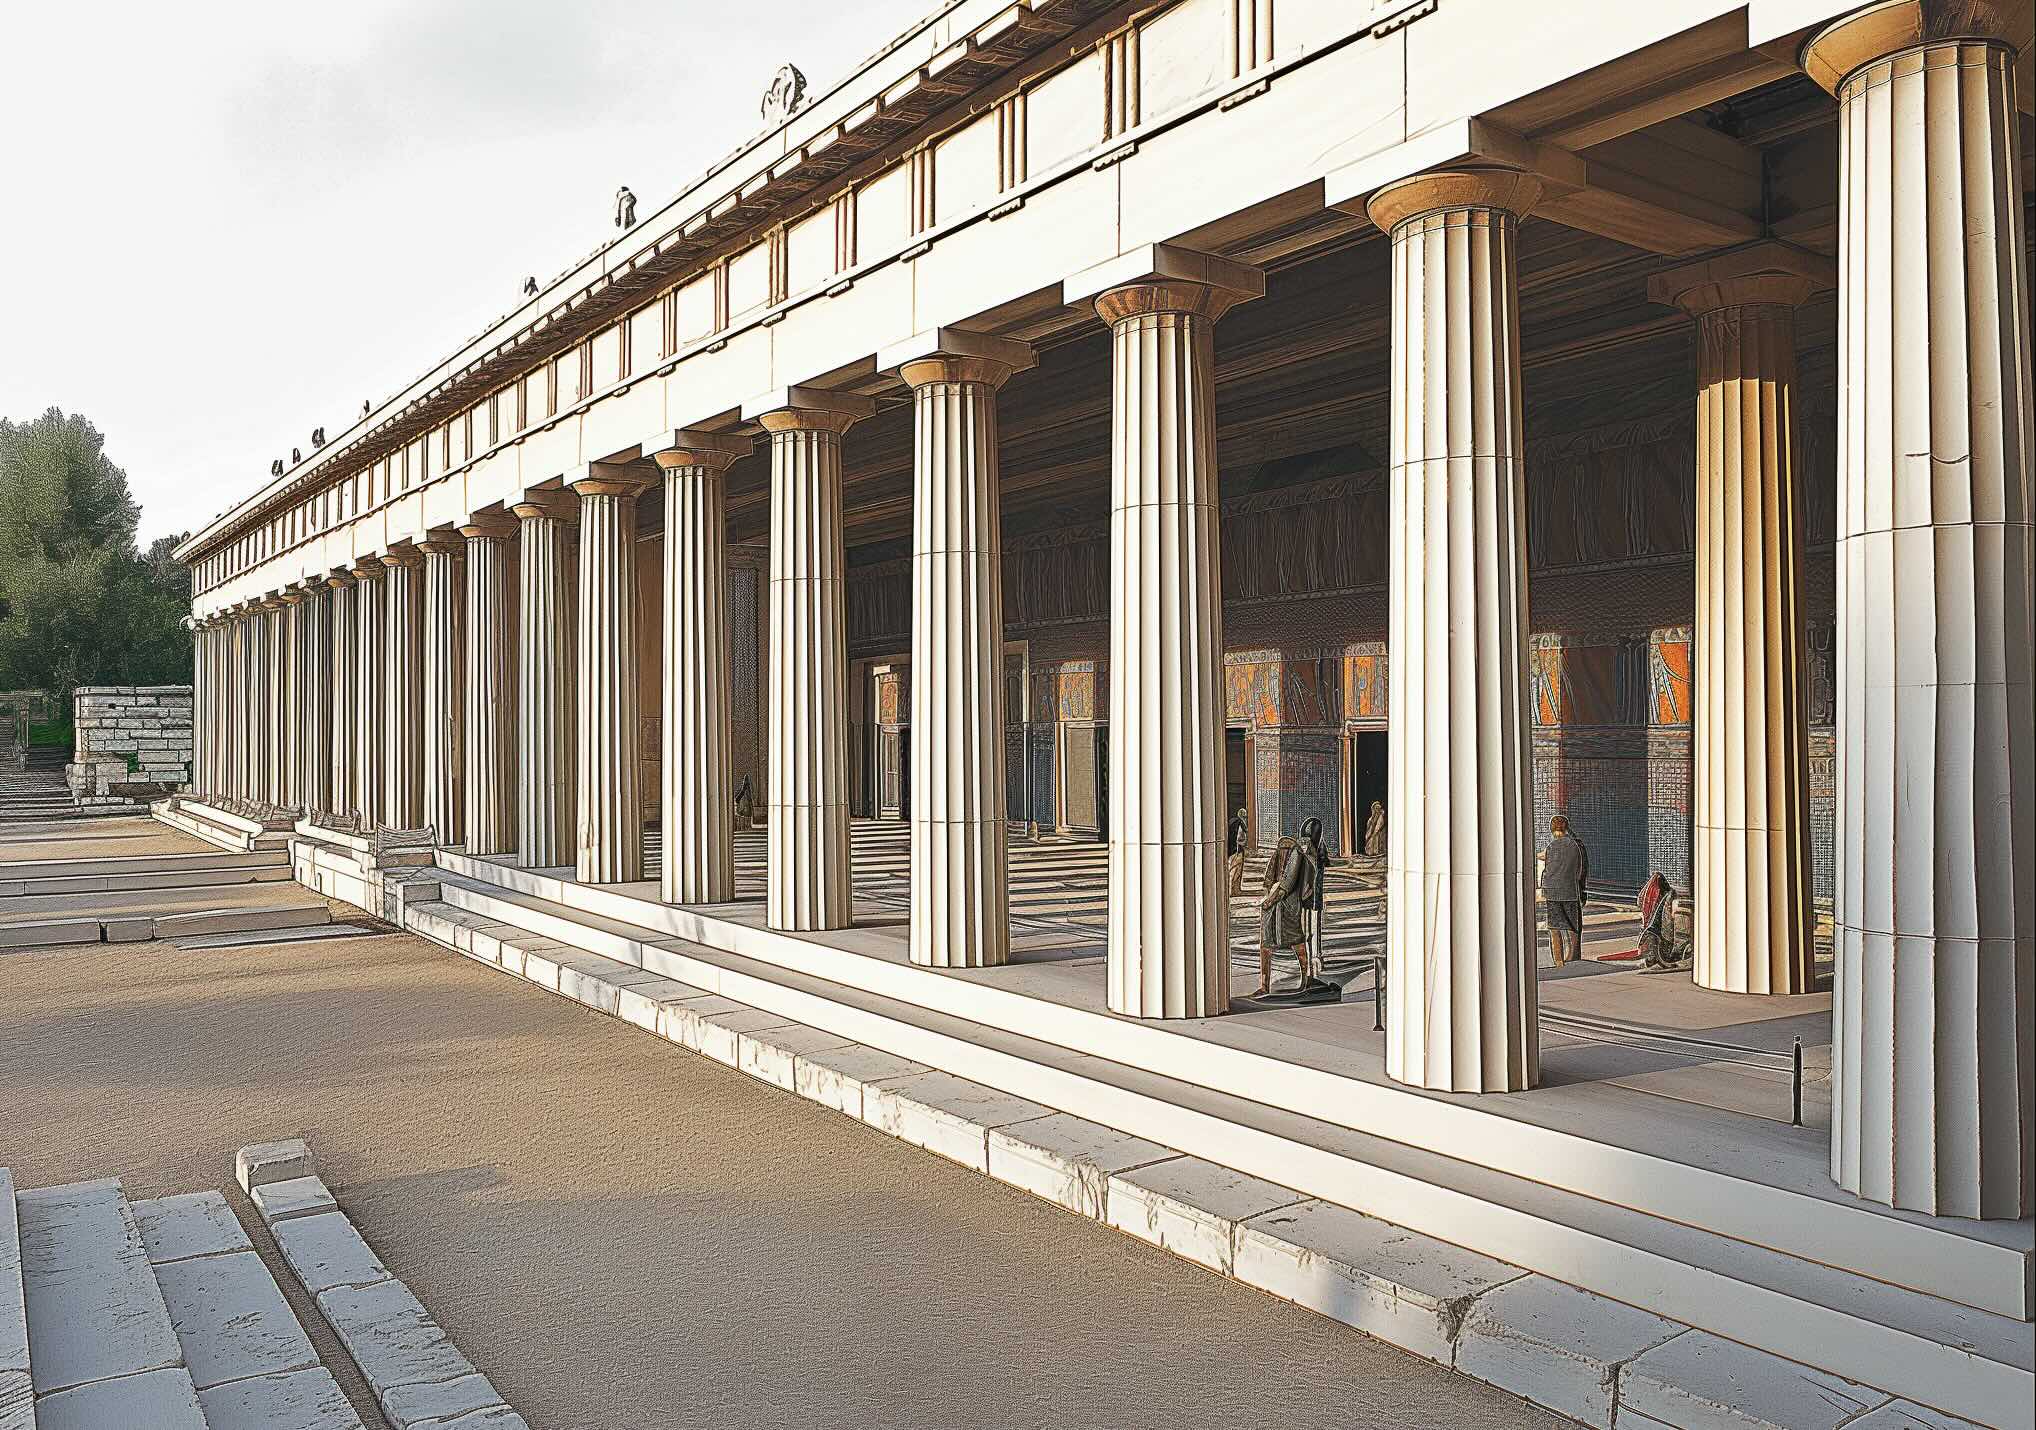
(1169, 915)
(1460, 920)
(1750, 792)
(1935, 991)
(806, 784)
(698, 799)
(545, 675)
(403, 704)
(371, 685)
(609, 780)
(445, 626)
(345, 707)
(490, 724)
(314, 699)
(960, 905)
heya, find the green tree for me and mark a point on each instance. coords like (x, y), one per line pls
(82, 605)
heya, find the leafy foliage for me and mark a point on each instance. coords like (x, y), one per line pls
(84, 606)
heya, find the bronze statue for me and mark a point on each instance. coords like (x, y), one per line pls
(1293, 887)
(745, 804)
(625, 208)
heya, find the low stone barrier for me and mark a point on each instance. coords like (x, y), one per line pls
(133, 742)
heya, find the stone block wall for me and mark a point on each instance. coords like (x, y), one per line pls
(132, 741)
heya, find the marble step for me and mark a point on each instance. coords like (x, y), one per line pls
(17, 1385)
(140, 879)
(104, 1351)
(141, 864)
(1901, 1340)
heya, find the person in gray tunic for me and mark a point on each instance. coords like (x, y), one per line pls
(1292, 879)
(1565, 884)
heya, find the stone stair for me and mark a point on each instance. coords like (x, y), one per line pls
(36, 794)
(154, 1313)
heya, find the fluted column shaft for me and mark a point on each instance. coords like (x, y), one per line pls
(491, 693)
(238, 783)
(371, 690)
(314, 701)
(960, 906)
(289, 624)
(345, 653)
(1168, 934)
(545, 676)
(1750, 798)
(403, 704)
(445, 626)
(1460, 938)
(610, 784)
(807, 886)
(698, 800)
(1936, 861)
(260, 700)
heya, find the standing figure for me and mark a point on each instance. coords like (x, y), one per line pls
(1565, 884)
(1293, 881)
(625, 208)
(1240, 836)
(1375, 832)
(745, 804)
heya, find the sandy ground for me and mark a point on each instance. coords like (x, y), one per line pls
(624, 1235)
(107, 838)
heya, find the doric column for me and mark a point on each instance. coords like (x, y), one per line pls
(403, 705)
(237, 783)
(344, 702)
(544, 681)
(806, 783)
(371, 684)
(1936, 875)
(1169, 915)
(445, 651)
(261, 695)
(1460, 938)
(698, 797)
(610, 789)
(1750, 799)
(314, 700)
(960, 908)
(289, 630)
(201, 704)
(490, 724)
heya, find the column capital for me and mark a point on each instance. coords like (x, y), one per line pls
(488, 526)
(1164, 278)
(807, 409)
(556, 505)
(606, 479)
(291, 597)
(368, 568)
(676, 448)
(339, 579)
(1844, 47)
(952, 355)
(1506, 190)
(270, 602)
(1764, 272)
(404, 555)
(444, 541)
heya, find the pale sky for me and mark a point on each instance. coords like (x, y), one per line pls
(223, 224)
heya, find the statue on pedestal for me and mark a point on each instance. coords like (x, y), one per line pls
(1375, 832)
(1293, 901)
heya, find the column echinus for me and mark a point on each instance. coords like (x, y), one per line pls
(1460, 942)
(345, 652)
(314, 700)
(403, 693)
(490, 729)
(960, 905)
(807, 883)
(698, 800)
(610, 789)
(445, 626)
(1751, 798)
(1169, 914)
(1936, 874)
(287, 733)
(545, 669)
(370, 678)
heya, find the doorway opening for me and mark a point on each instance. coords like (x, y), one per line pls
(1367, 779)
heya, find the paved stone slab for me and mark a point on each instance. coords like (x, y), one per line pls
(500, 1418)
(1555, 1345)
(39, 932)
(299, 1400)
(232, 1319)
(200, 1224)
(643, 1002)
(131, 928)
(94, 1311)
(1068, 1160)
(172, 926)
(838, 1077)
(430, 1404)
(1403, 1287)
(325, 1252)
(773, 1053)
(1906, 1415)
(1191, 1207)
(157, 1399)
(588, 981)
(676, 1021)
(263, 1162)
(17, 1390)
(718, 1035)
(292, 1197)
(945, 1114)
(1699, 1381)
(391, 1337)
